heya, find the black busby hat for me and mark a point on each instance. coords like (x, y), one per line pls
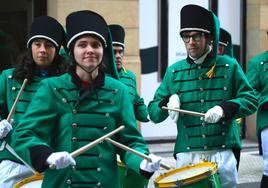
(118, 34)
(48, 28)
(86, 22)
(226, 40)
(225, 37)
(196, 18)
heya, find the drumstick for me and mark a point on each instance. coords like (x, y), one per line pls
(91, 144)
(136, 152)
(198, 114)
(95, 142)
(16, 100)
(6, 145)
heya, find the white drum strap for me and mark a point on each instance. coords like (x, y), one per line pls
(12, 151)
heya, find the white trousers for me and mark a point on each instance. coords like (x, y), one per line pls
(225, 161)
(12, 172)
(264, 145)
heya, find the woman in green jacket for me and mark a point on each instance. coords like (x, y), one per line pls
(79, 107)
(39, 62)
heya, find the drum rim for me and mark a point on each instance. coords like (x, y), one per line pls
(188, 180)
(29, 179)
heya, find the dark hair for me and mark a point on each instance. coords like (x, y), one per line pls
(25, 66)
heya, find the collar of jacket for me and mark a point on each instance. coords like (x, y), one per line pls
(45, 72)
(96, 83)
(206, 63)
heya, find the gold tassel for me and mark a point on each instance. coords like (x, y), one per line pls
(211, 72)
(124, 69)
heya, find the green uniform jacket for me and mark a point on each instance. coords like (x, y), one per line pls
(140, 109)
(61, 118)
(8, 92)
(257, 75)
(228, 88)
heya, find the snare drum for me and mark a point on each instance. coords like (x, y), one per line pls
(34, 181)
(200, 175)
(129, 178)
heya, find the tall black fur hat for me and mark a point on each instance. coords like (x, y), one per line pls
(86, 22)
(225, 37)
(226, 40)
(196, 18)
(48, 28)
(118, 35)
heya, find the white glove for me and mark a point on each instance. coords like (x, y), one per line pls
(60, 160)
(151, 166)
(214, 114)
(174, 102)
(5, 127)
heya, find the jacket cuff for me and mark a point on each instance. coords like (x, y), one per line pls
(264, 106)
(230, 109)
(146, 174)
(164, 102)
(39, 155)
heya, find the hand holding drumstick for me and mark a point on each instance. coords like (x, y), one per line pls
(61, 160)
(5, 125)
(136, 152)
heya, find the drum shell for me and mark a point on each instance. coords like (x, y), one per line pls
(129, 178)
(202, 180)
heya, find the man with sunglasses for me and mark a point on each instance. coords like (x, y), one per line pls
(208, 83)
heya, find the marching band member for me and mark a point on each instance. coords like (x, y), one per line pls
(257, 76)
(126, 76)
(207, 83)
(78, 107)
(39, 62)
(140, 109)
(226, 48)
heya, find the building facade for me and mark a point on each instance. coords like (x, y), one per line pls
(152, 32)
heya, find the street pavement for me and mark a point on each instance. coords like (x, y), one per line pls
(250, 168)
